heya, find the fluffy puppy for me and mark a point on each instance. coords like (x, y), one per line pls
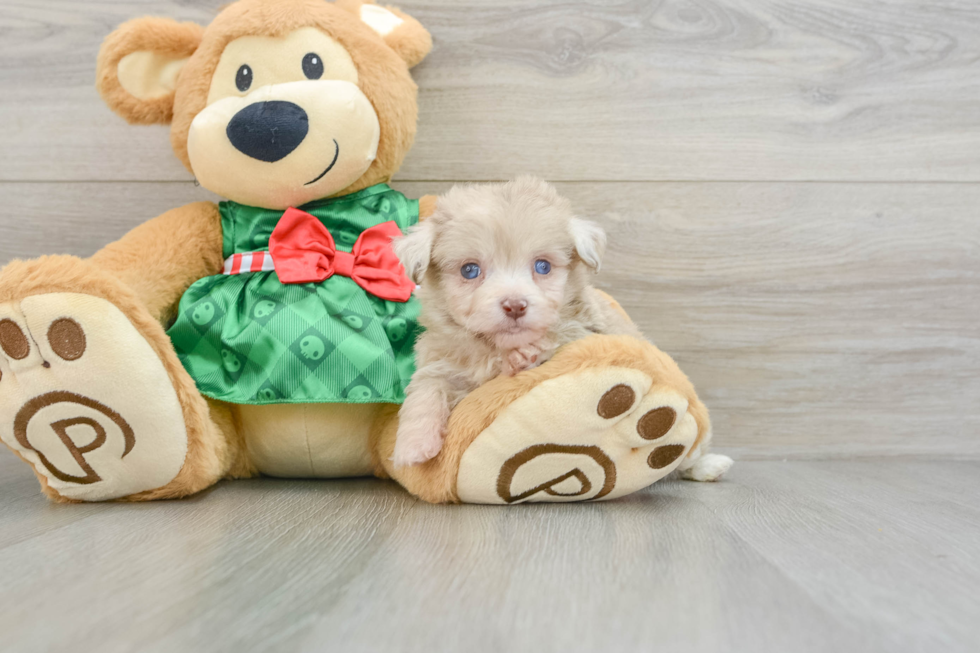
(505, 275)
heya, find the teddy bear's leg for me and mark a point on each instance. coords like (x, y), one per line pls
(92, 395)
(607, 416)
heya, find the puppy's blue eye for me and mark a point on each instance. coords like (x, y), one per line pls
(542, 266)
(470, 271)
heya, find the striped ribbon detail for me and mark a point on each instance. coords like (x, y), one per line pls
(249, 262)
(253, 262)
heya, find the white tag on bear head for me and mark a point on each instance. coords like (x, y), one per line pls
(380, 19)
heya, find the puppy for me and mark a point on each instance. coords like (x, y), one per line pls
(505, 275)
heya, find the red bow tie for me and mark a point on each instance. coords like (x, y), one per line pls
(305, 252)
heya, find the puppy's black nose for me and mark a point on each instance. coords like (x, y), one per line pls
(514, 308)
(268, 131)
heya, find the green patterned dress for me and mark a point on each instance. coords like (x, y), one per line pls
(249, 339)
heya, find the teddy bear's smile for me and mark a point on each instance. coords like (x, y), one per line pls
(336, 155)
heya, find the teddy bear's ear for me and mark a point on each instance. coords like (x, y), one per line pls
(139, 64)
(401, 32)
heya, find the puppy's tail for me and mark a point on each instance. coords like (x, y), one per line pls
(702, 466)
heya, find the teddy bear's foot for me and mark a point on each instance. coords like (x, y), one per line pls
(599, 433)
(85, 400)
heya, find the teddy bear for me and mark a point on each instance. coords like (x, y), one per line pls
(272, 333)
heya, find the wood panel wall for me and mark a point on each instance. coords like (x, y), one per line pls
(790, 186)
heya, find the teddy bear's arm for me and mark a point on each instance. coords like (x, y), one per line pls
(161, 258)
(427, 206)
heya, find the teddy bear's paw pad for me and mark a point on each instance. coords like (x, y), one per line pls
(85, 400)
(597, 434)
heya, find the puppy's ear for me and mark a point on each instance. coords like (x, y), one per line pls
(401, 32)
(590, 242)
(139, 64)
(415, 249)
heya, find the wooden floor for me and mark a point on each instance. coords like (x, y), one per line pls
(792, 194)
(783, 556)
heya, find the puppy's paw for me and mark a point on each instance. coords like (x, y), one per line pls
(414, 446)
(521, 359)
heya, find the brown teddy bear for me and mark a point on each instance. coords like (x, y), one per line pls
(273, 333)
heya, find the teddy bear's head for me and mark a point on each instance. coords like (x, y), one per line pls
(277, 102)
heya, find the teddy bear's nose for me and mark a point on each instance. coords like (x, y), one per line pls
(268, 131)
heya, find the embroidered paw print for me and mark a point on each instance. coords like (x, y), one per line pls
(622, 432)
(70, 363)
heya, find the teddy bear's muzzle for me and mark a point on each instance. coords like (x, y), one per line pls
(285, 144)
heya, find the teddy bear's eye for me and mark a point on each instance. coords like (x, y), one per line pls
(243, 80)
(313, 66)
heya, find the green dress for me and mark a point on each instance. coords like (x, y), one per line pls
(249, 339)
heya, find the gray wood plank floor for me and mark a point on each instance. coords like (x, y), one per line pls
(782, 556)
